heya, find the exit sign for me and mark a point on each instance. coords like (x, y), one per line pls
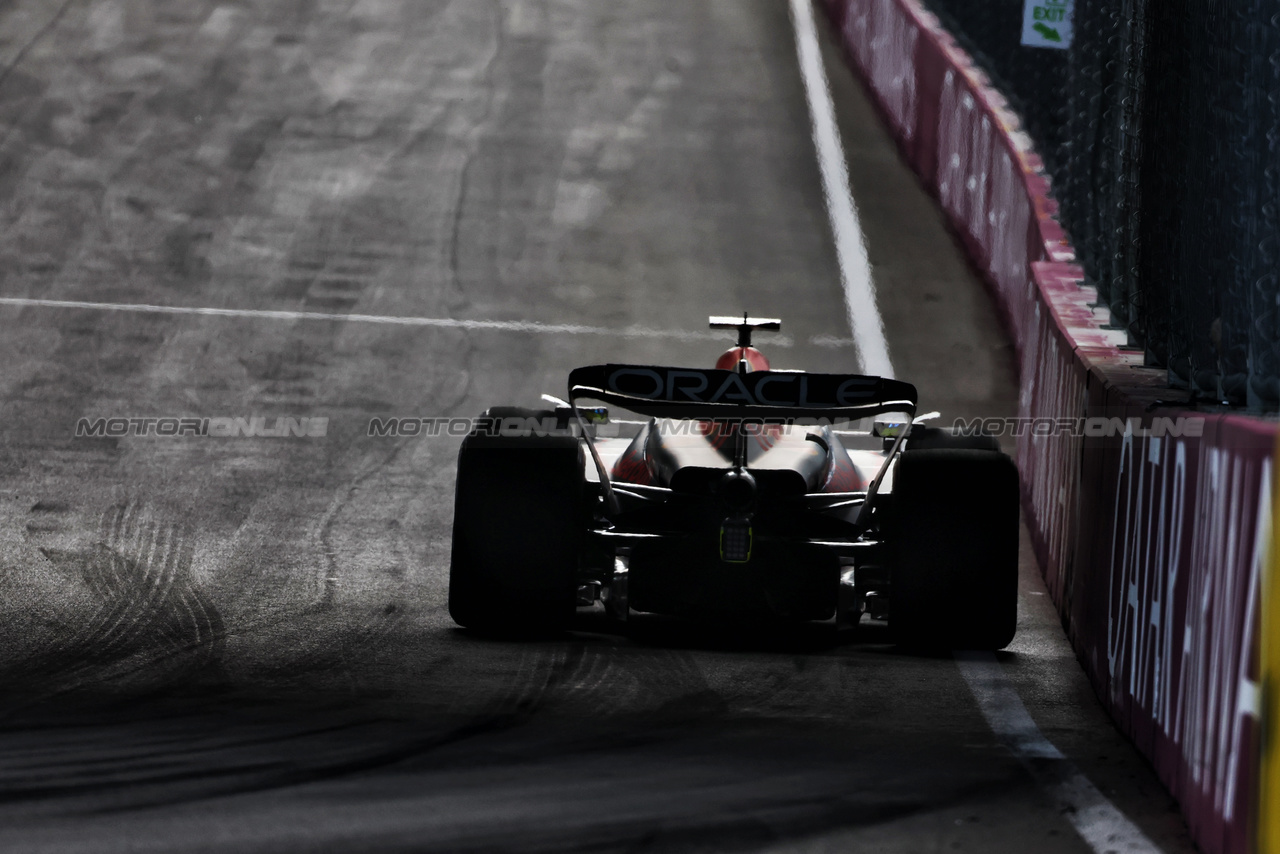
(1047, 23)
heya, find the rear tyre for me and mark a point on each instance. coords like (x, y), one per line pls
(520, 517)
(953, 539)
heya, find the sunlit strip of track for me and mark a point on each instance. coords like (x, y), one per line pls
(389, 320)
(851, 248)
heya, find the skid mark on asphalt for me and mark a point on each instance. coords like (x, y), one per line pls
(332, 282)
(149, 618)
(31, 42)
(345, 653)
(662, 686)
(593, 680)
(142, 574)
(518, 688)
(590, 678)
(169, 753)
(607, 145)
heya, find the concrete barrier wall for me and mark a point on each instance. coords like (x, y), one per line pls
(1152, 524)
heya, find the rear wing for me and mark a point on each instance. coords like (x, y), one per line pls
(727, 395)
(758, 395)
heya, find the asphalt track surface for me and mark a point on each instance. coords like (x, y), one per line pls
(242, 644)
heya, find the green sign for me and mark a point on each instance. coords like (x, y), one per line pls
(1047, 23)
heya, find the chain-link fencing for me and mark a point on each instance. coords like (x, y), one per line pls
(1160, 128)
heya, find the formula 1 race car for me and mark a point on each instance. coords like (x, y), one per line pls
(742, 493)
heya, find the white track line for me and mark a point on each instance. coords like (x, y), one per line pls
(1095, 818)
(437, 322)
(1100, 824)
(851, 248)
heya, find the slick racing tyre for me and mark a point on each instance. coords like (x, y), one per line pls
(520, 515)
(952, 536)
